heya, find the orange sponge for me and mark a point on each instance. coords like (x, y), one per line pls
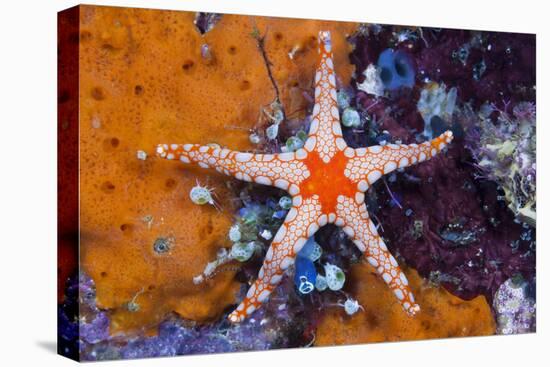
(442, 315)
(145, 79)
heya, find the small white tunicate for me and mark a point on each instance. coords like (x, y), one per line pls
(321, 283)
(351, 306)
(343, 99)
(206, 52)
(285, 202)
(241, 251)
(272, 131)
(198, 279)
(278, 115)
(141, 155)
(234, 233)
(201, 195)
(254, 138)
(351, 118)
(266, 234)
(316, 252)
(335, 277)
(294, 143)
(96, 122)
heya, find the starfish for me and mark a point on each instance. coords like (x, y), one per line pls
(327, 181)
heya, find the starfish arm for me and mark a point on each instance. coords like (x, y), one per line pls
(325, 133)
(284, 170)
(360, 228)
(301, 222)
(367, 165)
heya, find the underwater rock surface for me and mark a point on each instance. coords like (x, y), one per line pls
(465, 239)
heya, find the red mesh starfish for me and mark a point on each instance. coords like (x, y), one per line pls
(327, 181)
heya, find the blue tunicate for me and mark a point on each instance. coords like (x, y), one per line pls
(396, 69)
(242, 212)
(478, 70)
(271, 204)
(305, 275)
(311, 250)
(279, 214)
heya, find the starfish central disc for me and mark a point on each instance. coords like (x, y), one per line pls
(327, 179)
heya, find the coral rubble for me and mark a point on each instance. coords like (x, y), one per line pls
(515, 306)
(505, 151)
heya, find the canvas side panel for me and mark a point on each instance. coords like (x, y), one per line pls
(67, 181)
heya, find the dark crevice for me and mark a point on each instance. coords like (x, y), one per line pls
(206, 21)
